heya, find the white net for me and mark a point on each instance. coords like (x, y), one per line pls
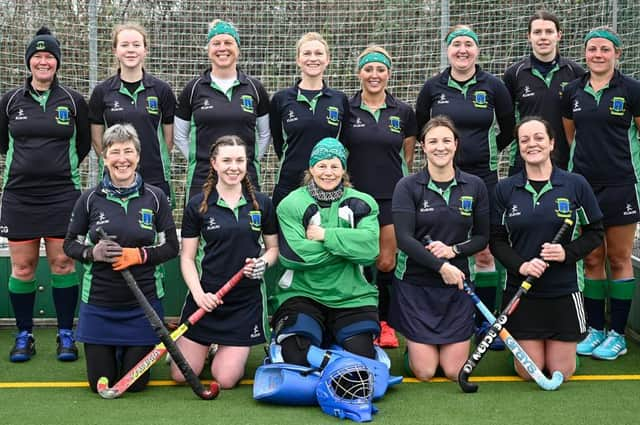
(411, 30)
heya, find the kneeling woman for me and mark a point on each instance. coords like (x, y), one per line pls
(446, 211)
(329, 231)
(221, 232)
(113, 327)
(530, 208)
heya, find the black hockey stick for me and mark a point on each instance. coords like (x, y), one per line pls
(498, 325)
(165, 337)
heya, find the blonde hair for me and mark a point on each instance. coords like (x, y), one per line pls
(311, 36)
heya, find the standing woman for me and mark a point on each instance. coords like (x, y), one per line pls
(601, 117)
(380, 136)
(223, 100)
(222, 228)
(530, 208)
(112, 325)
(304, 113)
(329, 231)
(535, 83)
(475, 101)
(44, 135)
(441, 218)
(136, 97)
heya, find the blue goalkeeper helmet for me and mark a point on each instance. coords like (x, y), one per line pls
(345, 390)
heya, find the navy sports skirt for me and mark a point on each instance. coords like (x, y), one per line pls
(109, 326)
(431, 315)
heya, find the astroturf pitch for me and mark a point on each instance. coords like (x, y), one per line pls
(45, 391)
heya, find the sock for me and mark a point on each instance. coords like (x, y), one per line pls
(621, 291)
(383, 282)
(486, 283)
(595, 292)
(23, 298)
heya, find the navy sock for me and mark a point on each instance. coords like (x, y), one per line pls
(23, 309)
(619, 314)
(383, 282)
(65, 300)
(595, 313)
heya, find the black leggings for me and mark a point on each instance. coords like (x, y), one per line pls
(113, 362)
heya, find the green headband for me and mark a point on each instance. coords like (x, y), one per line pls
(374, 57)
(328, 148)
(460, 32)
(602, 33)
(223, 27)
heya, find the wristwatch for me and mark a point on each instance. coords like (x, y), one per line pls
(455, 249)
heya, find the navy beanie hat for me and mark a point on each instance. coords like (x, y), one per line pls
(44, 41)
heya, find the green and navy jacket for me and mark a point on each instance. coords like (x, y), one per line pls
(44, 137)
(147, 109)
(482, 112)
(605, 149)
(376, 144)
(329, 271)
(535, 94)
(143, 219)
(214, 113)
(298, 123)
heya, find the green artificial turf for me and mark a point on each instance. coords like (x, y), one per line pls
(576, 402)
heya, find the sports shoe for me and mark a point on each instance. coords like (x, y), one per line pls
(67, 350)
(24, 348)
(387, 338)
(612, 347)
(593, 339)
(496, 345)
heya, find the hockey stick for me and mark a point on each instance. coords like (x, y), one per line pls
(498, 324)
(163, 334)
(159, 350)
(518, 352)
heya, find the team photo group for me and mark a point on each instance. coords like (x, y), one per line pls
(351, 253)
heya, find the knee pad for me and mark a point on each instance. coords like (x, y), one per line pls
(301, 324)
(362, 327)
(294, 350)
(360, 344)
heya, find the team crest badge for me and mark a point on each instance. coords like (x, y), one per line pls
(563, 208)
(255, 220)
(40, 45)
(480, 99)
(146, 219)
(152, 105)
(247, 103)
(466, 205)
(333, 115)
(617, 107)
(62, 115)
(394, 124)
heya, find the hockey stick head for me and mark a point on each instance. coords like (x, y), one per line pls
(463, 379)
(212, 392)
(103, 389)
(557, 378)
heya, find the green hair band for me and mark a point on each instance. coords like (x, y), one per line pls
(223, 27)
(374, 57)
(460, 32)
(603, 33)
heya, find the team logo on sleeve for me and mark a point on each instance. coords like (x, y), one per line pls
(152, 105)
(563, 208)
(246, 102)
(62, 115)
(480, 99)
(617, 107)
(333, 116)
(394, 124)
(255, 220)
(466, 205)
(146, 219)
